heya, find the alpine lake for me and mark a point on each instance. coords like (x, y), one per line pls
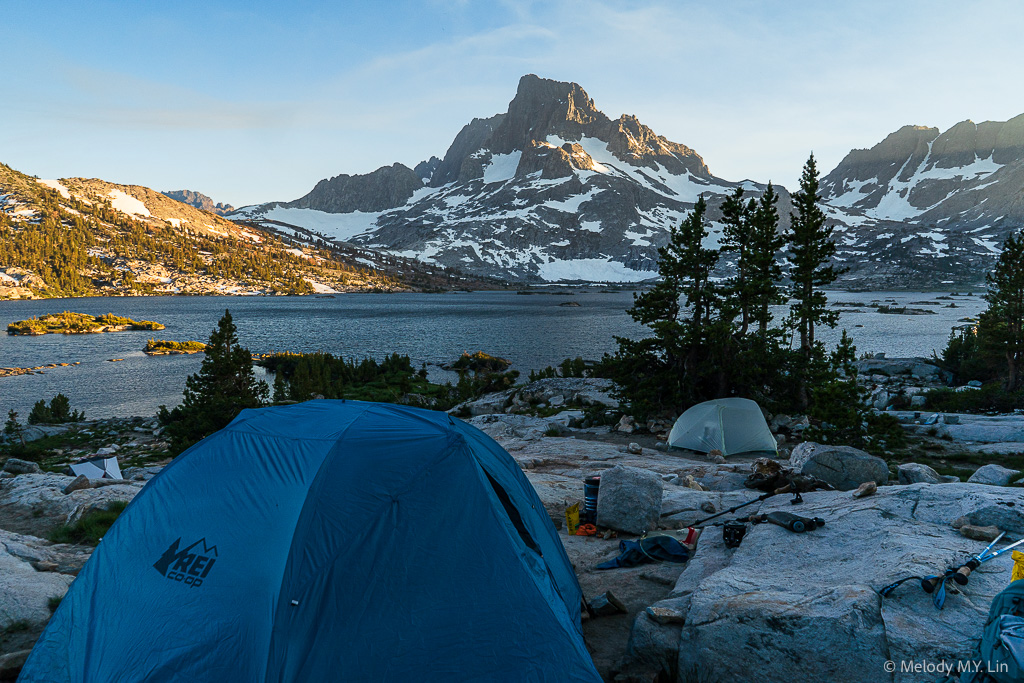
(114, 378)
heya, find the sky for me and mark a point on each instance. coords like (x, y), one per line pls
(256, 101)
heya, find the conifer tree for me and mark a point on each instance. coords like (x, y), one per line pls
(13, 428)
(737, 235)
(683, 361)
(764, 270)
(280, 387)
(224, 386)
(812, 249)
(691, 264)
(1005, 314)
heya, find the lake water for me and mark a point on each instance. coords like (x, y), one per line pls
(531, 331)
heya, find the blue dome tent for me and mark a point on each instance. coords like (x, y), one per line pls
(324, 541)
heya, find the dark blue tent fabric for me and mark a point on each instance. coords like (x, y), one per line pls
(326, 541)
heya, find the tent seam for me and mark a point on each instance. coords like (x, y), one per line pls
(317, 481)
(319, 485)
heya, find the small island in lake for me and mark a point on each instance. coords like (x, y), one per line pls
(163, 347)
(479, 362)
(78, 323)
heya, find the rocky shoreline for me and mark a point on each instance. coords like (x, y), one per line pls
(39, 369)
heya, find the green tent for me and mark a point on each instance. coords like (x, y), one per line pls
(730, 425)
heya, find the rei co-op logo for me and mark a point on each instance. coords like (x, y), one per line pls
(190, 565)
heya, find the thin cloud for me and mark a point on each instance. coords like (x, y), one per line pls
(116, 100)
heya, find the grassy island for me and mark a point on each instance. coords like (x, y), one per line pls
(79, 323)
(480, 362)
(163, 347)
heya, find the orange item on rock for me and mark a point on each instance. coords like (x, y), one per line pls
(586, 530)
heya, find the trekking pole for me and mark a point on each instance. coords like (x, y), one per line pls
(936, 585)
(785, 489)
(964, 572)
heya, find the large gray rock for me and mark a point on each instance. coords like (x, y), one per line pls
(584, 391)
(926, 371)
(11, 663)
(142, 474)
(508, 426)
(787, 603)
(59, 557)
(1002, 448)
(568, 418)
(629, 499)
(25, 592)
(844, 467)
(994, 475)
(16, 466)
(984, 428)
(487, 404)
(916, 473)
(39, 499)
(36, 432)
(891, 367)
(569, 388)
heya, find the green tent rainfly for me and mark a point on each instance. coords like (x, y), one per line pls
(730, 425)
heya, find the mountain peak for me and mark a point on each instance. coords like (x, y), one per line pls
(199, 200)
(535, 93)
(544, 107)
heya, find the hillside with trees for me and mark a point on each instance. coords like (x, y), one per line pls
(88, 237)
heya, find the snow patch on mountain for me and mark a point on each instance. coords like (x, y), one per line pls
(683, 188)
(319, 287)
(56, 185)
(573, 203)
(127, 204)
(590, 270)
(502, 167)
(337, 226)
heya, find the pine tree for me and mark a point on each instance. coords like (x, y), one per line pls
(40, 413)
(685, 359)
(691, 263)
(280, 387)
(224, 386)
(737, 235)
(13, 429)
(812, 249)
(1006, 309)
(764, 270)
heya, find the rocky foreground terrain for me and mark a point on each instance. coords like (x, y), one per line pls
(780, 607)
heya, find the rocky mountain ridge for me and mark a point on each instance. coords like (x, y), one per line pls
(200, 201)
(931, 206)
(553, 189)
